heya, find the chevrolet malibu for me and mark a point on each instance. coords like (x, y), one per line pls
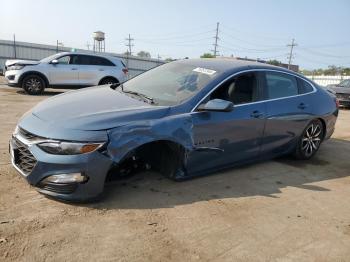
(183, 119)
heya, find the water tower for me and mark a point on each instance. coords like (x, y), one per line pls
(99, 41)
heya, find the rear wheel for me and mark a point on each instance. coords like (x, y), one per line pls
(33, 84)
(310, 140)
(108, 81)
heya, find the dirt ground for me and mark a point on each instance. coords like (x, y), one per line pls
(280, 210)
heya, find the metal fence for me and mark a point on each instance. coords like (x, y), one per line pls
(31, 51)
(328, 80)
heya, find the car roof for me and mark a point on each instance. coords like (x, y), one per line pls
(90, 54)
(231, 64)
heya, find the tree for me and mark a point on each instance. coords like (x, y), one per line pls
(144, 54)
(207, 55)
(169, 59)
(274, 62)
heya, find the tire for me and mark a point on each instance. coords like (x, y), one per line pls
(108, 81)
(33, 84)
(310, 140)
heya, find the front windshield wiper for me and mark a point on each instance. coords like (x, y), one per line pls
(150, 99)
(139, 95)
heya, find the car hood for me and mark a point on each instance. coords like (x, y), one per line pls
(95, 108)
(338, 89)
(21, 62)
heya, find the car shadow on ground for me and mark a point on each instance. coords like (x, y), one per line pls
(45, 93)
(151, 190)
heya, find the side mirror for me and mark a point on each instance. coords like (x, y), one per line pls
(216, 105)
(54, 62)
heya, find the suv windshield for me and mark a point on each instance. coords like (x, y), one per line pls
(170, 84)
(345, 83)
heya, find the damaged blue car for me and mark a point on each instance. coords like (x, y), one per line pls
(183, 119)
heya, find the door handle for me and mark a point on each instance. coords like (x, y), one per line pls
(302, 106)
(101, 69)
(257, 114)
(74, 68)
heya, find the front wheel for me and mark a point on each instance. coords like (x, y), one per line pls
(108, 81)
(310, 140)
(33, 85)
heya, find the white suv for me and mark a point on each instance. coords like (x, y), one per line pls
(65, 69)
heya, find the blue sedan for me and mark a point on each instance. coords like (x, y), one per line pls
(183, 119)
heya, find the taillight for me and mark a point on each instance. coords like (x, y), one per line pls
(336, 102)
(125, 70)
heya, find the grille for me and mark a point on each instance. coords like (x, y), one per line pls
(343, 96)
(24, 159)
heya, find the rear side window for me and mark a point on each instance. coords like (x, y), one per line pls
(100, 61)
(304, 87)
(280, 85)
(81, 60)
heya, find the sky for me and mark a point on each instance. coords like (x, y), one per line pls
(180, 28)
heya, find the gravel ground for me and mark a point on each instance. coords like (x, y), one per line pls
(280, 210)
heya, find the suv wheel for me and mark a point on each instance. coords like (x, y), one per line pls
(33, 85)
(108, 81)
(310, 140)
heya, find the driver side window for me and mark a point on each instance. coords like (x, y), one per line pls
(239, 90)
(64, 60)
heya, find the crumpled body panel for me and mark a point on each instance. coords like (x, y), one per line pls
(177, 128)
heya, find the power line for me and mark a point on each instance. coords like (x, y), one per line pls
(215, 51)
(292, 45)
(129, 44)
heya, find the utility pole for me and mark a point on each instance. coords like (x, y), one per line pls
(56, 46)
(215, 51)
(129, 44)
(292, 45)
(14, 45)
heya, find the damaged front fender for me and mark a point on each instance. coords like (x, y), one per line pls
(124, 139)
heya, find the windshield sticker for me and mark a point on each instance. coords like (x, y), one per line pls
(204, 71)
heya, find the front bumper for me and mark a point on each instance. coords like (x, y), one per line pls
(12, 77)
(34, 165)
(345, 103)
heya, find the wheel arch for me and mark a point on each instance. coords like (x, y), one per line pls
(165, 156)
(34, 73)
(106, 77)
(324, 126)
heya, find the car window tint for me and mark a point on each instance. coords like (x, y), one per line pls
(103, 61)
(304, 87)
(345, 83)
(81, 60)
(64, 60)
(280, 85)
(240, 90)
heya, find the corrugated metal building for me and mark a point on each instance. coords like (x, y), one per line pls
(31, 51)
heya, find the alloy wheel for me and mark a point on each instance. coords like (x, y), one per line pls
(311, 139)
(33, 84)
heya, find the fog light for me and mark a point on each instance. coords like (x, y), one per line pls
(65, 178)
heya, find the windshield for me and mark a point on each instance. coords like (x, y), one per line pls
(170, 84)
(345, 83)
(49, 58)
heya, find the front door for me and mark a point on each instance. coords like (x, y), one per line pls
(63, 73)
(226, 138)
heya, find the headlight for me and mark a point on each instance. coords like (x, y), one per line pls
(15, 67)
(69, 148)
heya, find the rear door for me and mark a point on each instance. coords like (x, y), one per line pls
(63, 73)
(288, 110)
(91, 69)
